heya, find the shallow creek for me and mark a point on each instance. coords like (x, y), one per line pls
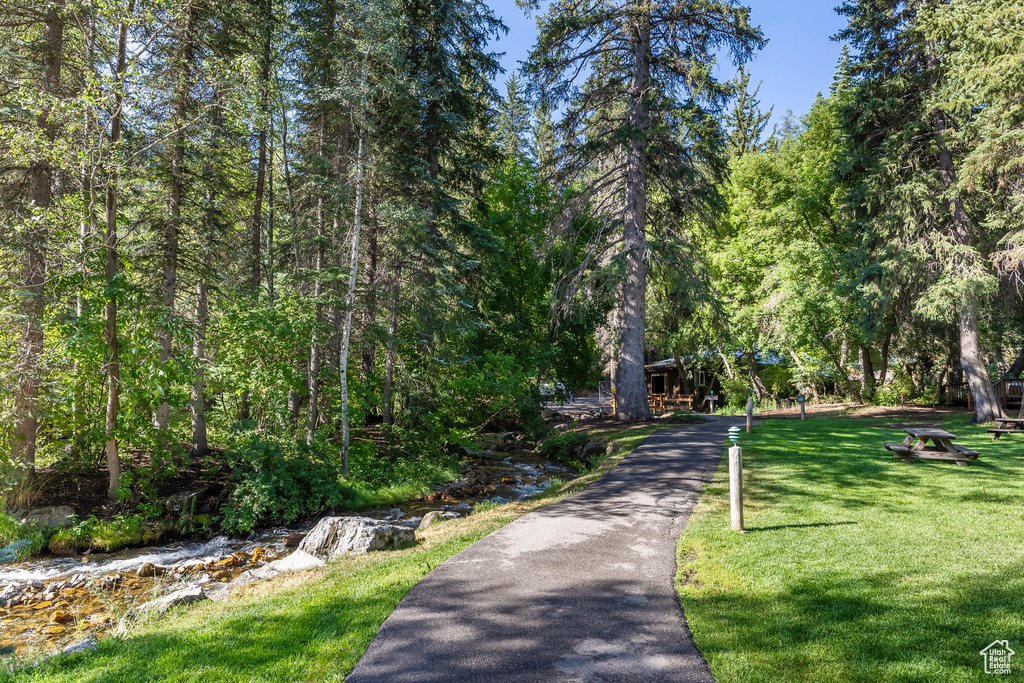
(65, 599)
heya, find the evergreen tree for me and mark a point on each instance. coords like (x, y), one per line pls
(906, 152)
(789, 129)
(542, 139)
(514, 120)
(745, 122)
(642, 119)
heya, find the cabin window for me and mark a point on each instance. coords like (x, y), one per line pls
(658, 384)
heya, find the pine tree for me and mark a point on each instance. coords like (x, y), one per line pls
(843, 78)
(745, 122)
(789, 129)
(542, 139)
(643, 119)
(514, 120)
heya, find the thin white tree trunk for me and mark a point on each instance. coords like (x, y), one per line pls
(351, 298)
(350, 301)
(318, 290)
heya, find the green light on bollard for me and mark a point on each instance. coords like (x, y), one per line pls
(734, 435)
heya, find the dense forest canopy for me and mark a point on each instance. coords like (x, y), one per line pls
(328, 241)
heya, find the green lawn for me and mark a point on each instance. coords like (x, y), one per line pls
(858, 566)
(310, 626)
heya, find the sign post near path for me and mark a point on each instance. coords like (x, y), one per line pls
(736, 480)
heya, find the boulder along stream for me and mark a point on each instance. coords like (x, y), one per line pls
(49, 603)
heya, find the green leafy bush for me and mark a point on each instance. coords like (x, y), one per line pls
(564, 447)
(280, 480)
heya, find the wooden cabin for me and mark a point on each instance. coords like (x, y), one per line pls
(667, 389)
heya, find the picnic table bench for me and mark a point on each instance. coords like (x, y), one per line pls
(1007, 425)
(943, 449)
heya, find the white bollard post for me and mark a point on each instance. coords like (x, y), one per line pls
(750, 414)
(736, 487)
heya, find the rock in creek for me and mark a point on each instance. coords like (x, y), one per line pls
(184, 596)
(293, 540)
(294, 562)
(336, 536)
(81, 646)
(429, 519)
(218, 592)
(150, 569)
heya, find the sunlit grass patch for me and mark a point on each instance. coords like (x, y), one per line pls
(857, 566)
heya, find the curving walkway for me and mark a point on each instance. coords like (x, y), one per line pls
(578, 591)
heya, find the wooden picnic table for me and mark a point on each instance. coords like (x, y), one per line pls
(916, 446)
(1007, 425)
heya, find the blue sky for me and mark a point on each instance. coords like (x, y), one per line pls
(797, 63)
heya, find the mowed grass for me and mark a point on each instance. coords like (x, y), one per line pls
(858, 566)
(309, 626)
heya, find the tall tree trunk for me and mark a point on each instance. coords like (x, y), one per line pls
(1017, 369)
(754, 372)
(318, 291)
(314, 347)
(867, 374)
(200, 445)
(111, 267)
(341, 173)
(986, 404)
(289, 191)
(631, 384)
(172, 227)
(270, 213)
(883, 370)
(681, 369)
(728, 365)
(200, 442)
(33, 277)
(844, 376)
(388, 406)
(351, 297)
(369, 351)
(261, 168)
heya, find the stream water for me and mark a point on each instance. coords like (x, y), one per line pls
(59, 600)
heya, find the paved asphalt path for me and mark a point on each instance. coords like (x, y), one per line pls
(578, 591)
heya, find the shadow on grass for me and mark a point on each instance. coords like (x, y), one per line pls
(814, 525)
(844, 463)
(875, 627)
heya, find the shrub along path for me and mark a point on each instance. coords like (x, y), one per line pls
(579, 590)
